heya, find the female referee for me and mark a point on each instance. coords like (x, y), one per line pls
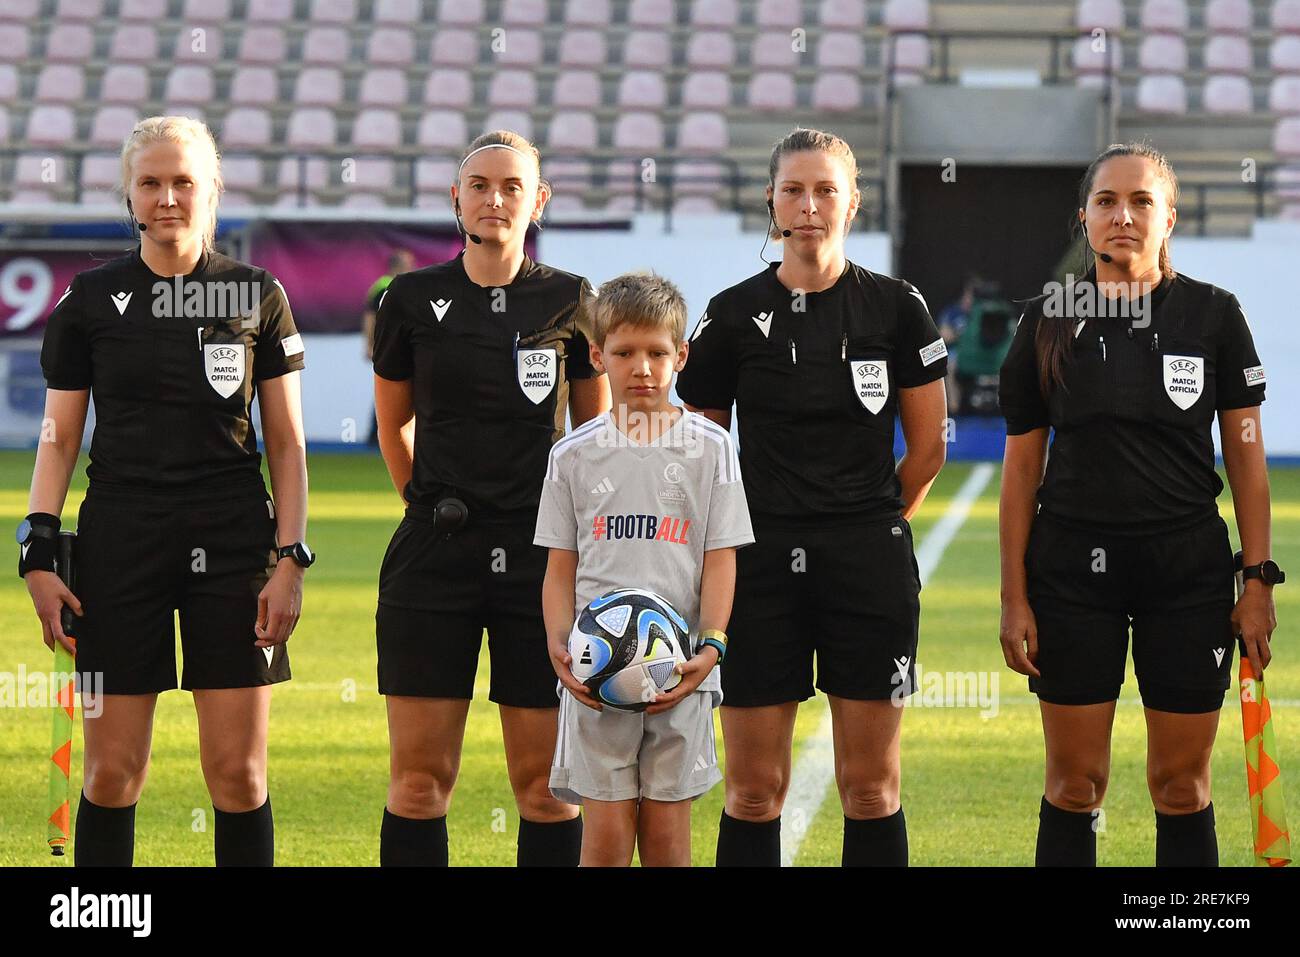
(174, 341)
(1130, 369)
(820, 355)
(475, 362)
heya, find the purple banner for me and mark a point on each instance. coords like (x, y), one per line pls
(32, 282)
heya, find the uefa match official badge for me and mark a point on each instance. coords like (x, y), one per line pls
(871, 384)
(1184, 380)
(537, 372)
(223, 367)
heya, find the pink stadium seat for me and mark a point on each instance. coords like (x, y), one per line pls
(1087, 59)
(263, 44)
(21, 10)
(292, 200)
(576, 89)
(584, 48)
(715, 14)
(235, 199)
(522, 48)
(568, 176)
(363, 201)
(254, 85)
(587, 13)
(1227, 53)
(142, 10)
(1163, 53)
(1284, 95)
(334, 11)
(79, 10)
(15, 41)
(397, 11)
(695, 206)
(702, 133)
(104, 170)
(843, 51)
(1286, 137)
(112, 124)
(911, 54)
(192, 110)
(1287, 183)
(772, 51)
(134, 42)
(318, 86)
(9, 82)
(50, 125)
(1227, 93)
(710, 49)
(326, 45)
(373, 173)
(648, 48)
(708, 91)
(1161, 93)
(32, 197)
(843, 14)
(1284, 54)
(622, 176)
(642, 90)
(190, 84)
(771, 91)
(524, 13)
(1228, 16)
(384, 87)
(246, 126)
(779, 13)
(31, 170)
(1099, 14)
(434, 175)
(638, 132)
(572, 132)
(271, 11)
(445, 128)
(448, 88)
(240, 172)
(314, 175)
(70, 43)
(60, 83)
(437, 201)
(562, 205)
(466, 12)
(621, 205)
(200, 44)
(695, 177)
(907, 15)
(651, 13)
(836, 92)
(513, 88)
(391, 45)
(1286, 16)
(377, 129)
(1165, 16)
(454, 48)
(312, 126)
(516, 120)
(4, 124)
(205, 11)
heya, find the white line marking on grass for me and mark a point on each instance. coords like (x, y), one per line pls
(813, 775)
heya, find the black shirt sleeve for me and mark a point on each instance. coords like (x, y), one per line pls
(577, 360)
(1240, 374)
(708, 380)
(393, 354)
(1023, 405)
(279, 346)
(65, 352)
(922, 355)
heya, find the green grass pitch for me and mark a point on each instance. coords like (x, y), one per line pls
(971, 784)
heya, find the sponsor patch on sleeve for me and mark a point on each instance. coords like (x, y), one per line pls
(1254, 375)
(934, 351)
(292, 345)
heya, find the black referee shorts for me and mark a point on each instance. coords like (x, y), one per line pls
(438, 593)
(1174, 588)
(140, 559)
(849, 594)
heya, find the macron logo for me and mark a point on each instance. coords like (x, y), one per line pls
(901, 664)
(270, 653)
(121, 300)
(1218, 656)
(764, 321)
(440, 307)
(25, 550)
(604, 488)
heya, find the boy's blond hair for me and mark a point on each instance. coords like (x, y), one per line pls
(642, 299)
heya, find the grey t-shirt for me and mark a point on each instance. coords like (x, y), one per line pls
(642, 516)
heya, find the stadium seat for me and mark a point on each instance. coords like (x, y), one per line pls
(624, 177)
(638, 132)
(104, 170)
(582, 48)
(454, 48)
(715, 14)
(521, 48)
(564, 204)
(50, 125)
(711, 49)
(696, 177)
(1284, 54)
(1286, 138)
(779, 13)
(911, 54)
(9, 82)
(530, 13)
(708, 91)
(1089, 59)
(1227, 93)
(15, 42)
(240, 172)
(1287, 183)
(843, 51)
(434, 175)
(200, 44)
(571, 177)
(4, 124)
(377, 129)
(246, 126)
(695, 206)
(112, 124)
(192, 110)
(1161, 93)
(32, 197)
(235, 199)
(1228, 53)
(1228, 16)
(576, 89)
(132, 42)
(60, 83)
(149, 10)
(1284, 95)
(263, 44)
(318, 86)
(642, 90)
(397, 11)
(1164, 16)
(88, 10)
(443, 128)
(1099, 14)
(312, 127)
(517, 120)
(254, 86)
(189, 83)
(513, 88)
(907, 15)
(1286, 16)
(572, 131)
(771, 91)
(621, 205)
(205, 11)
(772, 51)
(448, 88)
(313, 173)
(651, 13)
(465, 12)
(31, 169)
(702, 133)
(437, 201)
(842, 14)
(383, 87)
(328, 46)
(587, 13)
(836, 92)
(647, 48)
(333, 11)
(390, 45)
(1163, 53)
(363, 201)
(375, 173)
(69, 43)
(294, 200)
(21, 10)
(271, 11)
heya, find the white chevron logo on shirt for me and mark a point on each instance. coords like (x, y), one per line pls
(764, 321)
(1218, 656)
(270, 653)
(604, 488)
(440, 307)
(25, 548)
(121, 300)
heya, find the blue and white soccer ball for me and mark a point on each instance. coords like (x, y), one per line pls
(626, 645)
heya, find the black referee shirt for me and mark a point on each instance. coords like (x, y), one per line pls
(815, 380)
(171, 363)
(490, 369)
(1132, 449)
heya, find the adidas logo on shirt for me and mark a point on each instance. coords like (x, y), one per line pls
(604, 488)
(700, 763)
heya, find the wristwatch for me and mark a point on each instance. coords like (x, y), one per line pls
(37, 534)
(298, 551)
(1266, 571)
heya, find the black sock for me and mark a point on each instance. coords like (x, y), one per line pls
(407, 842)
(749, 843)
(879, 842)
(1187, 840)
(557, 844)
(245, 838)
(1065, 838)
(105, 836)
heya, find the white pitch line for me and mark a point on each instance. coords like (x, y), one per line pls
(815, 771)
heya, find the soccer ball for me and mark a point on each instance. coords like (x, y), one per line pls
(625, 646)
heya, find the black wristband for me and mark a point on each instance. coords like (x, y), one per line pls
(38, 536)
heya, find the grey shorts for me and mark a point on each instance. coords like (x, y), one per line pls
(613, 755)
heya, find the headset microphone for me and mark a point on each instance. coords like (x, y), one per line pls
(460, 225)
(141, 226)
(771, 210)
(1104, 258)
